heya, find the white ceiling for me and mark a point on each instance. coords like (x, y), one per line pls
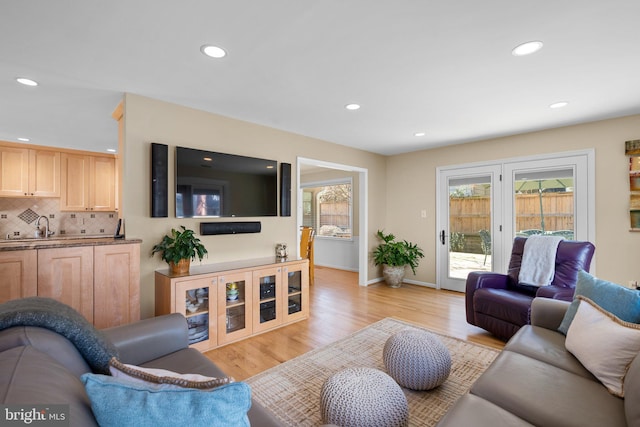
(440, 67)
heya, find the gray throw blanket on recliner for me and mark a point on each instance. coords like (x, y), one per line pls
(93, 345)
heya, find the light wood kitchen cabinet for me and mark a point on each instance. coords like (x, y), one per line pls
(100, 278)
(75, 182)
(102, 189)
(29, 172)
(227, 302)
(88, 183)
(116, 285)
(66, 275)
(19, 273)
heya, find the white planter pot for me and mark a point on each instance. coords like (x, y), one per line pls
(393, 275)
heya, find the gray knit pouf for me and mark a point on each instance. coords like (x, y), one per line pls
(417, 360)
(363, 397)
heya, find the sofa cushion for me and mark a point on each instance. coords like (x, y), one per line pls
(188, 360)
(117, 402)
(49, 342)
(545, 395)
(169, 379)
(29, 376)
(546, 346)
(632, 393)
(471, 410)
(604, 344)
(621, 302)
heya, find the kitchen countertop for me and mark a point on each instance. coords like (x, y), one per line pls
(62, 242)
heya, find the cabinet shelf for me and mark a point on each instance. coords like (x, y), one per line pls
(196, 313)
(231, 304)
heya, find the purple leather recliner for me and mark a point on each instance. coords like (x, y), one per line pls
(497, 303)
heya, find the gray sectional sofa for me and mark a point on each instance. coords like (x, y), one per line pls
(40, 366)
(536, 381)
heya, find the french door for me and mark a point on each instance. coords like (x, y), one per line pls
(469, 203)
(482, 208)
(549, 197)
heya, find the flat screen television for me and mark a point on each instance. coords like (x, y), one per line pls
(210, 184)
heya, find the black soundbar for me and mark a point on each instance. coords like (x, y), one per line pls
(211, 228)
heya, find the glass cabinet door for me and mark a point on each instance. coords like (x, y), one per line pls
(234, 307)
(296, 291)
(267, 299)
(196, 300)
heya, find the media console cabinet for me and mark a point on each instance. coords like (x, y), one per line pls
(231, 301)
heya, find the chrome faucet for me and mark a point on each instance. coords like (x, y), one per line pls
(46, 229)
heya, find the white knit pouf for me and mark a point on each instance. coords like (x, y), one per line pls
(363, 397)
(417, 360)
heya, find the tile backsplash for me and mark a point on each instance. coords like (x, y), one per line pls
(18, 219)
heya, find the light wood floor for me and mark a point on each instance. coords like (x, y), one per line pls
(340, 307)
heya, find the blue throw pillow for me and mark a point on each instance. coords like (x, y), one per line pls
(119, 402)
(622, 302)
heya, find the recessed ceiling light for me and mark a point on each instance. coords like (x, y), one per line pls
(207, 159)
(527, 48)
(24, 139)
(559, 104)
(213, 51)
(111, 150)
(27, 82)
(419, 134)
(352, 107)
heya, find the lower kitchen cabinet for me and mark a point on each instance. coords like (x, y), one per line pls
(101, 281)
(19, 273)
(116, 285)
(66, 275)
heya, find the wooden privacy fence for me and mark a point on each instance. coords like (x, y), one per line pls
(334, 213)
(469, 215)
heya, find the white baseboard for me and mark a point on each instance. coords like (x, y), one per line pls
(337, 267)
(412, 282)
(419, 283)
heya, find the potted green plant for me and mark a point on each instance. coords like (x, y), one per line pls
(179, 248)
(394, 256)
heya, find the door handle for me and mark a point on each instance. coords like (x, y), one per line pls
(442, 237)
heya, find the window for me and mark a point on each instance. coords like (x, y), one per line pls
(328, 209)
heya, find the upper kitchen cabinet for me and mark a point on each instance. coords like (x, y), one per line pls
(28, 172)
(88, 183)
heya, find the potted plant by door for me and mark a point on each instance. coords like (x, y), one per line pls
(179, 248)
(394, 256)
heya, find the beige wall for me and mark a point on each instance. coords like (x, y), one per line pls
(399, 186)
(147, 120)
(411, 187)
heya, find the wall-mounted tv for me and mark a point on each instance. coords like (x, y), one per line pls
(210, 184)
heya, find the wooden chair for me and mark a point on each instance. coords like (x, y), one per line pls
(306, 248)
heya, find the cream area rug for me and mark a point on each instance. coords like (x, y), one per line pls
(291, 390)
